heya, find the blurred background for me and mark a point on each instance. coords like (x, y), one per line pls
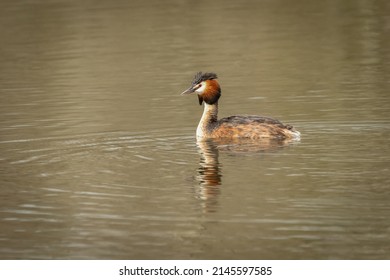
(98, 155)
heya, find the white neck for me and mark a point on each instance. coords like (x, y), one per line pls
(208, 120)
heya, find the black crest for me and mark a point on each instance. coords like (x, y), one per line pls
(200, 77)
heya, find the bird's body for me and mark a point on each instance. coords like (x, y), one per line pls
(249, 127)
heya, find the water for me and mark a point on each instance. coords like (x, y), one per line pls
(98, 156)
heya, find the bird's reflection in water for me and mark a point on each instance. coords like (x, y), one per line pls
(209, 174)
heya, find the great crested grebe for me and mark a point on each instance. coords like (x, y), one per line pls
(250, 127)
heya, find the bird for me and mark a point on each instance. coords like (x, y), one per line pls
(253, 127)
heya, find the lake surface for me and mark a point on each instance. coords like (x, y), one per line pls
(98, 155)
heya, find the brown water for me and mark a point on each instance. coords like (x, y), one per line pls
(98, 156)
